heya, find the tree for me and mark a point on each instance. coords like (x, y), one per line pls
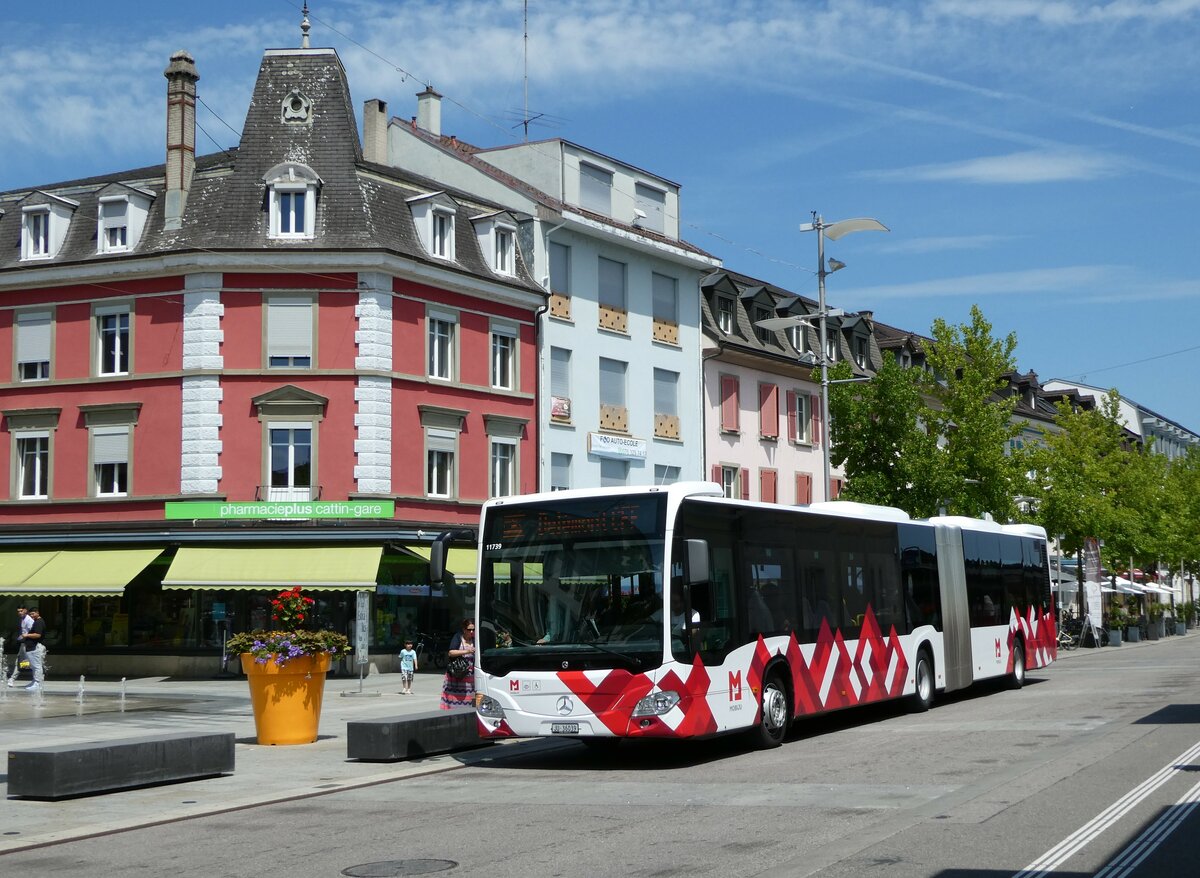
(982, 473)
(880, 439)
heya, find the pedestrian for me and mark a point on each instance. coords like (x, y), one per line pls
(408, 665)
(25, 622)
(458, 689)
(35, 649)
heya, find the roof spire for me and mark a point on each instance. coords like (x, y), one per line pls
(304, 27)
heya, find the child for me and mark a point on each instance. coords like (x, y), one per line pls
(408, 664)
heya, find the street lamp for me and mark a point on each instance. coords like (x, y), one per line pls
(833, 231)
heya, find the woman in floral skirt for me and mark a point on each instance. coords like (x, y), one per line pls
(460, 691)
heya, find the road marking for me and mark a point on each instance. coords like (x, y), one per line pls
(1153, 836)
(1086, 834)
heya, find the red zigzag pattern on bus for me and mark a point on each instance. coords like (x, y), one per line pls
(602, 699)
(698, 717)
(1041, 640)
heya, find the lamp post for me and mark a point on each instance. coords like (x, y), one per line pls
(832, 231)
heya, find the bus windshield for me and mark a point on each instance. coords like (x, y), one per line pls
(574, 584)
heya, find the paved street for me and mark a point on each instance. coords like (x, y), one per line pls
(1095, 753)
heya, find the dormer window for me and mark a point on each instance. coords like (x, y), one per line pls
(292, 191)
(433, 216)
(797, 338)
(44, 222)
(37, 233)
(497, 235)
(725, 314)
(121, 216)
(766, 336)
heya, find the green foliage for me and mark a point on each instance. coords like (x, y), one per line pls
(289, 607)
(1117, 618)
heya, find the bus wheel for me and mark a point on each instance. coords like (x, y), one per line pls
(771, 730)
(1017, 680)
(923, 699)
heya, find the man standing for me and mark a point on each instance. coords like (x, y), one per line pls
(25, 622)
(35, 649)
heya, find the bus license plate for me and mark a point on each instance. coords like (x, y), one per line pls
(564, 728)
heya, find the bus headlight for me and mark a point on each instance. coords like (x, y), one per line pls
(490, 707)
(657, 704)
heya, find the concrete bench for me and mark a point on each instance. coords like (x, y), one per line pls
(104, 766)
(390, 739)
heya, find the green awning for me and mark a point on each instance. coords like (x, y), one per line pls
(81, 572)
(324, 568)
(462, 564)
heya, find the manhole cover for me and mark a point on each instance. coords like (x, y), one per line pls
(397, 868)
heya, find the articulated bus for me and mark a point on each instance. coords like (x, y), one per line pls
(673, 612)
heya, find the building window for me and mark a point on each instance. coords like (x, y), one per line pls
(113, 341)
(653, 206)
(831, 346)
(505, 251)
(290, 459)
(799, 414)
(440, 448)
(611, 296)
(595, 189)
(290, 332)
(504, 357)
(36, 239)
(113, 233)
(766, 336)
(293, 199)
(797, 337)
(730, 404)
(768, 485)
(613, 412)
(560, 385)
(666, 404)
(110, 461)
(504, 468)
(860, 351)
(33, 465)
(613, 472)
(665, 475)
(560, 281)
(443, 234)
(804, 488)
(560, 471)
(33, 330)
(725, 321)
(729, 481)
(768, 411)
(441, 345)
(665, 308)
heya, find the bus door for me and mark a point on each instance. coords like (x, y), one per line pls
(956, 627)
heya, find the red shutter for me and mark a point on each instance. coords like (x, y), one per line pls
(835, 488)
(766, 485)
(716, 473)
(768, 411)
(745, 480)
(803, 488)
(816, 419)
(793, 432)
(729, 403)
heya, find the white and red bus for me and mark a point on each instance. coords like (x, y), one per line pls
(673, 612)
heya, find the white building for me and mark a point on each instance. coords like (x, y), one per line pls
(1170, 438)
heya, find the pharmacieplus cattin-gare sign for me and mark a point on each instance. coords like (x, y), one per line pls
(188, 510)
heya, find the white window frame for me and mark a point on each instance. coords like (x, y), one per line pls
(502, 472)
(34, 331)
(505, 250)
(36, 242)
(441, 233)
(110, 447)
(730, 478)
(291, 491)
(41, 463)
(105, 225)
(441, 349)
(441, 453)
(123, 339)
(290, 179)
(726, 314)
(504, 356)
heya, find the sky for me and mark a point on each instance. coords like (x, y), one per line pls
(1037, 158)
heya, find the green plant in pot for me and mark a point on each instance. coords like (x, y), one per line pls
(1117, 619)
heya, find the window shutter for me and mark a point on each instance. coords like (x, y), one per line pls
(665, 393)
(768, 411)
(835, 488)
(766, 485)
(744, 480)
(110, 445)
(612, 284)
(289, 328)
(664, 298)
(33, 337)
(729, 403)
(803, 488)
(717, 473)
(816, 419)
(612, 382)
(793, 432)
(560, 372)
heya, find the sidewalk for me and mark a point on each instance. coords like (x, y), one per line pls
(157, 705)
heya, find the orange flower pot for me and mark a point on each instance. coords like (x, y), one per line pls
(287, 700)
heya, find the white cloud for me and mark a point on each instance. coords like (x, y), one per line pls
(920, 246)
(1032, 166)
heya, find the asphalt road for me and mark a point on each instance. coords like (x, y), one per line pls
(1091, 768)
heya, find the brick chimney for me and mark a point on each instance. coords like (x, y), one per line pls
(181, 135)
(375, 127)
(429, 111)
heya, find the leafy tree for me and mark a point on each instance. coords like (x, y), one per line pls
(880, 439)
(976, 426)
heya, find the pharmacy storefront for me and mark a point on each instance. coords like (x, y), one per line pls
(161, 598)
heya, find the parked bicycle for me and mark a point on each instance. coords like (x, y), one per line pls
(432, 650)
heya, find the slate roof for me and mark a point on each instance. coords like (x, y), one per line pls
(361, 205)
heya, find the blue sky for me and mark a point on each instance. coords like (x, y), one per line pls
(1039, 159)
